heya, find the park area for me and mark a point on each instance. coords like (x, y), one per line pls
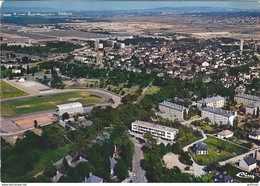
(8, 91)
(219, 150)
(47, 102)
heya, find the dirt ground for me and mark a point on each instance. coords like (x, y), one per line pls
(172, 160)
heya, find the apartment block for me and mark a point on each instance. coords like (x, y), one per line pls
(158, 131)
(172, 111)
(246, 99)
(216, 101)
(218, 116)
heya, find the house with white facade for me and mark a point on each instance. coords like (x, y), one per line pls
(225, 134)
(200, 148)
(248, 163)
(255, 134)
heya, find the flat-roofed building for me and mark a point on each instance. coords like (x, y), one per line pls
(172, 111)
(70, 108)
(216, 101)
(246, 99)
(218, 116)
(158, 131)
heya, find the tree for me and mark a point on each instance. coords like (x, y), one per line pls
(65, 116)
(50, 170)
(121, 169)
(111, 101)
(35, 124)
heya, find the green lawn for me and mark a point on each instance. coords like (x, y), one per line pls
(209, 177)
(50, 156)
(151, 90)
(48, 102)
(9, 91)
(219, 150)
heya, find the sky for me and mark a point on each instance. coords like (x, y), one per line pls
(129, 5)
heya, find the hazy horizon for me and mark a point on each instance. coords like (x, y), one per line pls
(127, 5)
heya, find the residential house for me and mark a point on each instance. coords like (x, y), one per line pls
(93, 179)
(254, 134)
(248, 163)
(200, 148)
(225, 178)
(225, 134)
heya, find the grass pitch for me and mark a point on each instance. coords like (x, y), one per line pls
(9, 91)
(47, 102)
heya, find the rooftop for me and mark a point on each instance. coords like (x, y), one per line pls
(155, 126)
(173, 105)
(218, 111)
(94, 179)
(69, 105)
(250, 160)
(247, 96)
(211, 99)
(254, 105)
(225, 132)
(200, 146)
(254, 133)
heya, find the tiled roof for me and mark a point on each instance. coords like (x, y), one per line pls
(225, 132)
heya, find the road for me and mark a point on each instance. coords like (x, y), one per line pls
(137, 169)
(237, 158)
(87, 108)
(198, 170)
(104, 93)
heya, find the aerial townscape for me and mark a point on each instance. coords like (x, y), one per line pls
(130, 92)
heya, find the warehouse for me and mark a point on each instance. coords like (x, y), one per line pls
(70, 108)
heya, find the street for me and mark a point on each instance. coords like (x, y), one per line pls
(137, 169)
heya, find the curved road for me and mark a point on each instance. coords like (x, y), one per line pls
(116, 98)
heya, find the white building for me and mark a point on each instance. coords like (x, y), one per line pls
(19, 44)
(172, 111)
(216, 101)
(246, 99)
(16, 71)
(253, 108)
(70, 108)
(218, 116)
(255, 134)
(158, 131)
(248, 163)
(225, 134)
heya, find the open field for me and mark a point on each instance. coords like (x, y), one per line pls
(48, 102)
(8, 91)
(218, 150)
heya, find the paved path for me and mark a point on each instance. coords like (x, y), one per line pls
(237, 158)
(197, 170)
